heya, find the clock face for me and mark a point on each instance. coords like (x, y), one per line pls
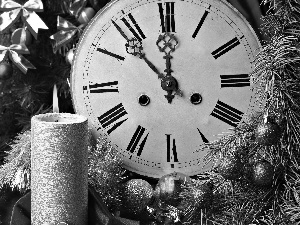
(161, 78)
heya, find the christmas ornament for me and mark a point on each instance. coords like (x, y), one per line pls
(86, 15)
(230, 167)
(263, 172)
(137, 195)
(70, 56)
(268, 132)
(97, 4)
(67, 32)
(13, 11)
(21, 36)
(168, 188)
(6, 70)
(13, 53)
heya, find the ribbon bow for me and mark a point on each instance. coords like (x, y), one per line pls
(76, 7)
(13, 11)
(68, 31)
(13, 52)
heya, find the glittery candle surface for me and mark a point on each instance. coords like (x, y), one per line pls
(59, 167)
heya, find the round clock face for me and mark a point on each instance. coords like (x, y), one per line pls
(162, 78)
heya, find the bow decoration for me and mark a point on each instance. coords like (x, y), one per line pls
(13, 52)
(13, 11)
(76, 7)
(67, 32)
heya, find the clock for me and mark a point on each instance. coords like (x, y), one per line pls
(161, 78)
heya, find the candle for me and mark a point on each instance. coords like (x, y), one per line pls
(59, 169)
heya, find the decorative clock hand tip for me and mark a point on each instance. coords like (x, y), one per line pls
(135, 47)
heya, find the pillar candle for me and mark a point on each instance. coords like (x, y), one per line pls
(59, 169)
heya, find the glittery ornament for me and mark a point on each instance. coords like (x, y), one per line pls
(263, 173)
(21, 36)
(230, 167)
(268, 132)
(6, 70)
(70, 56)
(137, 195)
(86, 15)
(59, 169)
(168, 188)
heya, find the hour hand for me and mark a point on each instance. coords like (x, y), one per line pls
(134, 47)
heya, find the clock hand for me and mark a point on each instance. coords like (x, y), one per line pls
(167, 43)
(134, 47)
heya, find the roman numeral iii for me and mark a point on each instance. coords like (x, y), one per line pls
(167, 18)
(137, 139)
(227, 114)
(235, 80)
(111, 119)
(225, 48)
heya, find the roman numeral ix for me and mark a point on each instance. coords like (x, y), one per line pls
(104, 87)
(227, 114)
(110, 120)
(167, 18)
(225, 48)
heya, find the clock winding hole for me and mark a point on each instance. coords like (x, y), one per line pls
(196, 98)
(144, 100)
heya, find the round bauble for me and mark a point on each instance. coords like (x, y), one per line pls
(21, 35)
(97, 4)
(268, 133)
(70, 56)
(137, 195)
(169, 188)
(86, 15)
(263, 173)
(6, 70)
(230, 167)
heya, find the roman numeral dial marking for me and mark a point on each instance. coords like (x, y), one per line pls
(111, 119)
(235, 80)
(200, 24)
(104, 87)
(137, 139)
(167, 19)
(202, 136)
(104, 51)
(227, 114)
(171, 149)
(225, 48)
(138, 33)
